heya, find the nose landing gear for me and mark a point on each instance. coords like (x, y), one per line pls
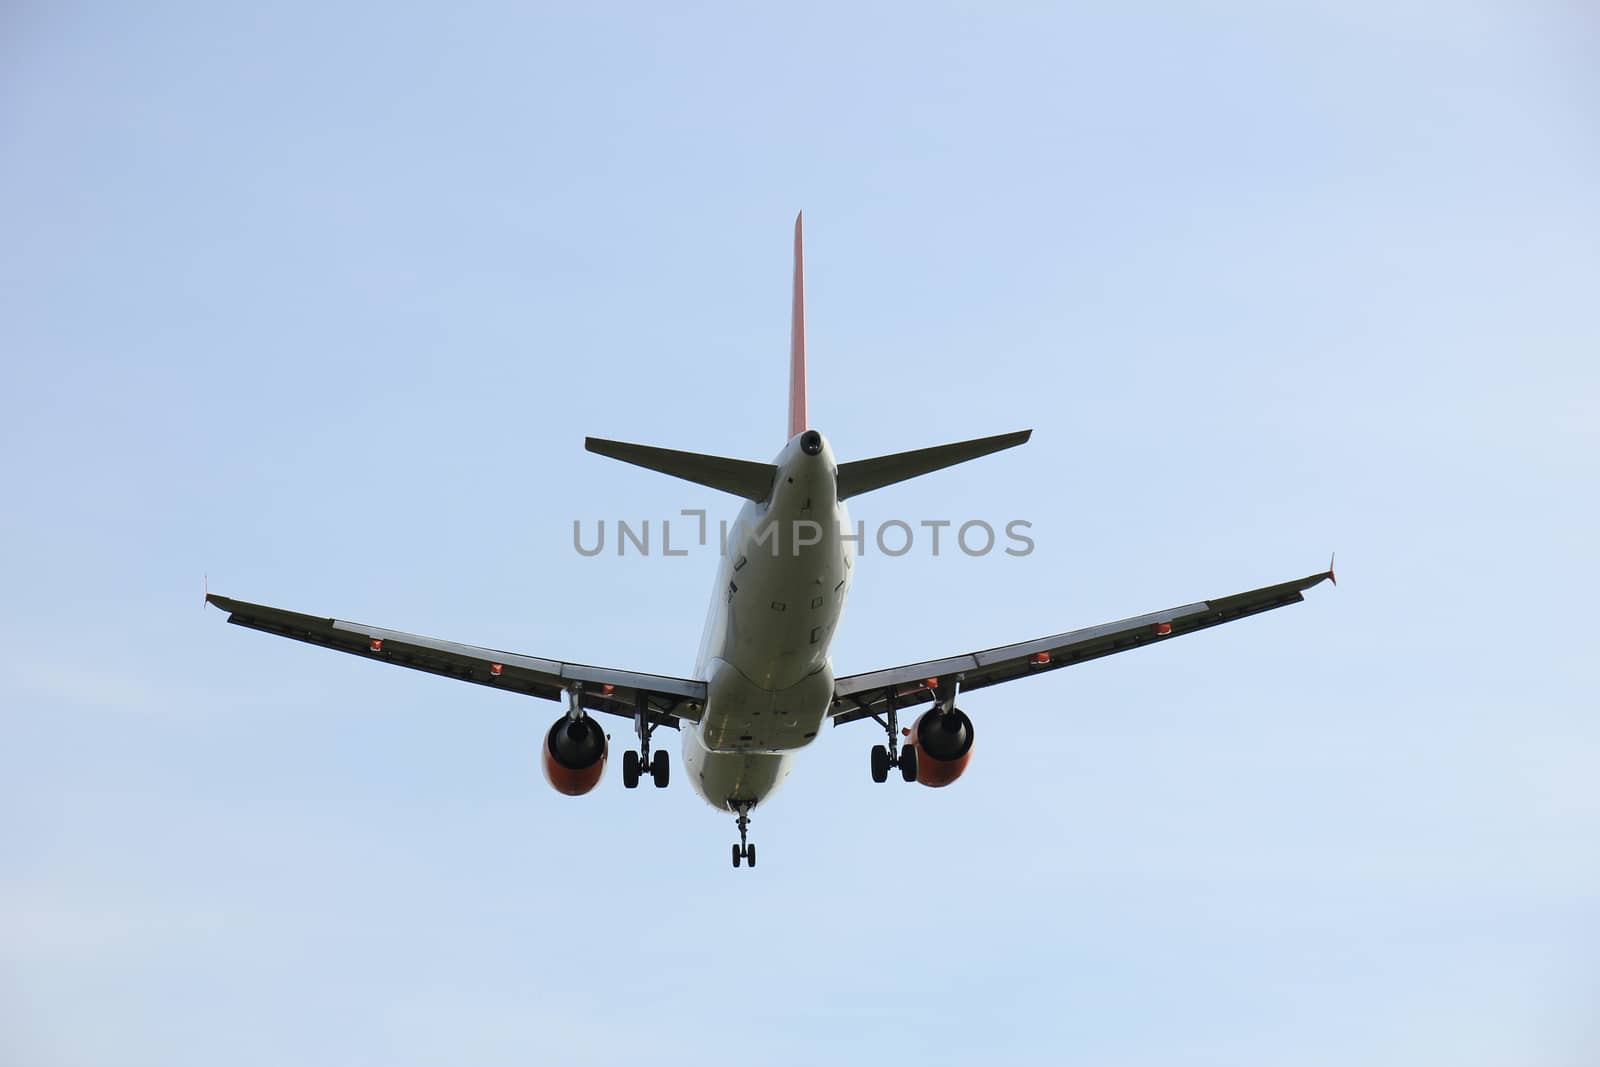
(744, 849)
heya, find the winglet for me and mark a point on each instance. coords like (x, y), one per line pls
(1331, 576)
(797, 339)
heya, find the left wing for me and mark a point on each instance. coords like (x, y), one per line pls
(861, 696)
(667, 700)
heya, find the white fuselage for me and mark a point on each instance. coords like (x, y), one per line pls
(781, 585)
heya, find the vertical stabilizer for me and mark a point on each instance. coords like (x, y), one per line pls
(797, 341)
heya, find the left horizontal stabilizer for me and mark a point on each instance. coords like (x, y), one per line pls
(741, 477)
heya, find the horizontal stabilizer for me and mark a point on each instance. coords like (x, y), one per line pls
(741, 477)
(864, 475)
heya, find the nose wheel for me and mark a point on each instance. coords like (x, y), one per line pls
(744, 850)
(642, 762)
(893, 754)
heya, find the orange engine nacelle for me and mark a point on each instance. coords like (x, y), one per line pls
(574, 755)
(944, 745)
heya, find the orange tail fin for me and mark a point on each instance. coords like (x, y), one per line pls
(797, 340)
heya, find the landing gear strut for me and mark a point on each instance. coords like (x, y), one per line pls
(744, 849)
(893, 754)
(640, 762)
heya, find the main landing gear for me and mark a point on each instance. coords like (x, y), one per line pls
(893, 754)
(744, 849)
(641, 762)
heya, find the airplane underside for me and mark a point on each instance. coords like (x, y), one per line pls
(763, 687)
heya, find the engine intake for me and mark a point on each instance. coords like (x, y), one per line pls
(944, 745)
(574, 755)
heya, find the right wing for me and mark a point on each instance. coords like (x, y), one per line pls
(862, 696)
(667, 700)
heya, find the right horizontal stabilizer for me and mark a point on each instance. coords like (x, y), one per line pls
(864, 475)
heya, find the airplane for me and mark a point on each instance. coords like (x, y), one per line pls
(763, 685)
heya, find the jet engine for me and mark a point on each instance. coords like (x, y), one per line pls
(943, 740)
(574, 755)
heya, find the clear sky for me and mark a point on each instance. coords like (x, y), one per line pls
(320, 300)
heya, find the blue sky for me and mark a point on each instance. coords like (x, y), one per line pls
(322, 301)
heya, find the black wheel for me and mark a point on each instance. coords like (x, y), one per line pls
(736, 855)
(750, 854)
(659, 772)
(880, 763)
(630, 769)
(908, 763)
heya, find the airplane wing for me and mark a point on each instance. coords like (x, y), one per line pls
(861, 696)
(668, 700)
